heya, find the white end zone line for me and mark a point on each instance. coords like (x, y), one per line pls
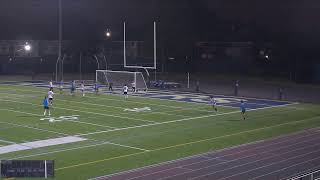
(179, 120)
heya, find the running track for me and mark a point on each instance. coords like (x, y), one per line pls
(270, 159)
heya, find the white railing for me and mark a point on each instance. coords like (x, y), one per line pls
(307, 176)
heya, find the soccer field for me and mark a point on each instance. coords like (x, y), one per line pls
(102, 134)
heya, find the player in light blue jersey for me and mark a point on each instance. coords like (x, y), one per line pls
(45, 104)
(243, 109)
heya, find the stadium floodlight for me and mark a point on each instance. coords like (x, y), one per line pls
(27, 47)
(108, 33)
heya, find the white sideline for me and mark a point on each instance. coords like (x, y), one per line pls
(39, 144)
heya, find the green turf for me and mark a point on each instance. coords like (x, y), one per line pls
(119, 140)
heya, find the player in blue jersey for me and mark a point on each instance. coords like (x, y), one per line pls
(96, 88)
(243, 109)
(45, 104)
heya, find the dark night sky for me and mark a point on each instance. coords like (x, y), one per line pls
(278, 20)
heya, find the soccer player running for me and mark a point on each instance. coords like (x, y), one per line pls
(213, 102)
(50, 96)
(82, 89)
(46, 106)
(125, 91)
(243, 109)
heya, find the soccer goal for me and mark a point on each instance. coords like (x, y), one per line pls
(119, 78)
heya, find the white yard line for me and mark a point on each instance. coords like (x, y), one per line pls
(174, 121)
(153, 104)
(100, 105)
(7, 142)
(223, 162)
(88, 112)
(131, 147)
(253, 130)
(160, 105)
(80, 147)
(80, 122)
(207, 94)
(58, 151)
(217, 157)
(39, 144)
(30, 127)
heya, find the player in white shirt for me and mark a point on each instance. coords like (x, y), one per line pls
(82, 88)
(213, 102)
(50, 84)
(125, 91)
(50, 95)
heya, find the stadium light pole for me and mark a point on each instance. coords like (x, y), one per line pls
(60, 38)
(96, 58)
(108, 35)
(105, 60)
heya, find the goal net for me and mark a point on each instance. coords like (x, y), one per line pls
(119, 78)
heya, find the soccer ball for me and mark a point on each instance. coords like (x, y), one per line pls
(51, 120)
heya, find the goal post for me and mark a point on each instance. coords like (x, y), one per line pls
(120, 78)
